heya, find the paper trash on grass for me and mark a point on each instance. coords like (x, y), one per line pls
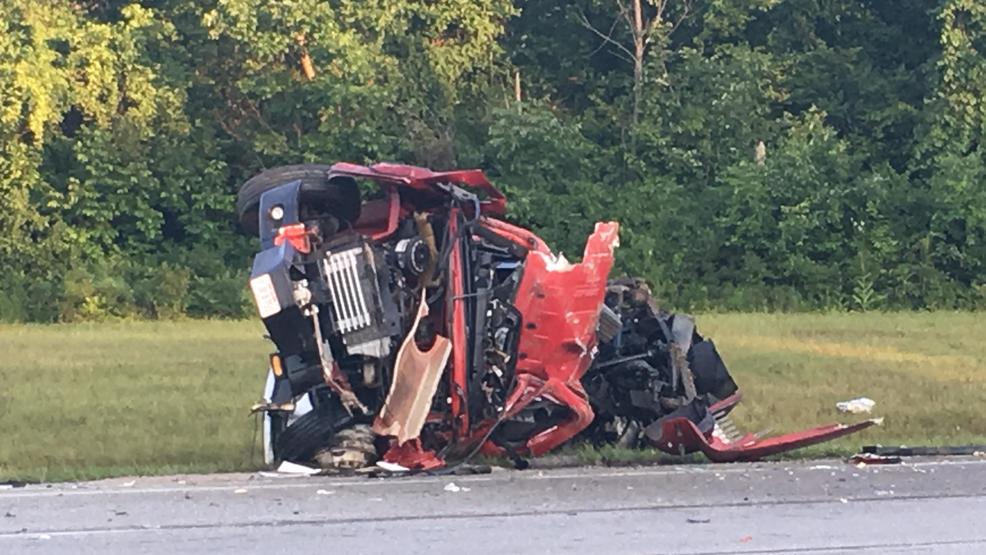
(859, 405)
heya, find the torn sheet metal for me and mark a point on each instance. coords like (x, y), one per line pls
(416, 377)
(560, 302)
(680, 436)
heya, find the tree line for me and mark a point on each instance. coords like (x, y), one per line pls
(759, 154)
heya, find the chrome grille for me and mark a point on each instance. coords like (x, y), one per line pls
(343, 280)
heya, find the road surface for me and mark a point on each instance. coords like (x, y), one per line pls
(813, 507)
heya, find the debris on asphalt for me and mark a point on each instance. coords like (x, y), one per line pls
(289, 469)
(324, 492)
(860, 405)
(863, 459)
(454, 488)
(930, 451)
(392, 467)
(240, 491)
(129, 484)
(698, 520)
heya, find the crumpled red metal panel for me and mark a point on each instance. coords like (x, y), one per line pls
(560, 304)
(423, 179)
(680, 435)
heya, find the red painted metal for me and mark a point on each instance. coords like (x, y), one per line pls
(379, 218)
(518, 235)
(424, 181)
(412, 455)
(460, 370)
(295, 234)
(560, 306)
(725, 406)
(680, 435)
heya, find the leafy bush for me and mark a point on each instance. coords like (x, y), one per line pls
(224, 295)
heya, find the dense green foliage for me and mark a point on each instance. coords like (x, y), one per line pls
(759, 154)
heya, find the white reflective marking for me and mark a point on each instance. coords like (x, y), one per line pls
(265, 295)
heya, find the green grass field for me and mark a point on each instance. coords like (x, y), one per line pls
(95, 400)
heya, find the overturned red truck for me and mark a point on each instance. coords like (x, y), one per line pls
(413, 324)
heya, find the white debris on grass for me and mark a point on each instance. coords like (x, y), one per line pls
(858, 405)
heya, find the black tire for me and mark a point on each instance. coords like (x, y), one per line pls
(339, 197)
(310, 432)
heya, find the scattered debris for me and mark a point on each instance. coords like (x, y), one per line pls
(746, 539)
(698, 520)
(324, 492)
(288, 467)
(392, 467)
(863, 459)
(935, 451)
(129, 484)
(860, 405)
(843, 500)
(9, 515)
(452, 487)
(240, 491)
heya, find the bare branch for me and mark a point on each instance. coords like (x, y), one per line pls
(626, 14)
(685, 14)
(606, 38)
(612, 28)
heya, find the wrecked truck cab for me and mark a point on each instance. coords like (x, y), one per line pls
(415, 325)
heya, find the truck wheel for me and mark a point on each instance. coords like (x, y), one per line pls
(338, 197)
(305, 436)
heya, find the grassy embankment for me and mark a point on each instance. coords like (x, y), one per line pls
(94, 400)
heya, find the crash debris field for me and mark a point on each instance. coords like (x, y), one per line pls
(119, 398)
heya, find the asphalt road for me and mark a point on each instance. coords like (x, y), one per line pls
(815, 507)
